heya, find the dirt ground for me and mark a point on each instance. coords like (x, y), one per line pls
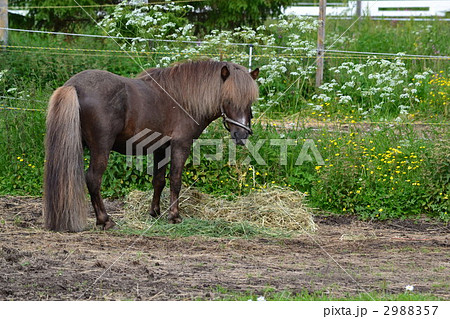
(345, 256)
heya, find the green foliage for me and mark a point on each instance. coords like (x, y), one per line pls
(224, 14)
(382, 175)
(160, 21)
(346, 184)
(392, 36)
(436, 179)
(376, 88)
(57, 19)
(21, 152)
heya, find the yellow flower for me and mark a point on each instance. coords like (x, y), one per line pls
(380, 210)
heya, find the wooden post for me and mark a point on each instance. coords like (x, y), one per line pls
(320, 42)
(358, 8)
(3, 22)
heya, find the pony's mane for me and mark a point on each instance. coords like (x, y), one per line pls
(198, 85)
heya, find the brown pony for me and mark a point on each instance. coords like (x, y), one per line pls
(103, 111)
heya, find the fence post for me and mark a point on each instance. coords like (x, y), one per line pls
(3, 22)
(250, 52)
(320, 42)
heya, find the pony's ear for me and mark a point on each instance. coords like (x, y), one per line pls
(225, 73)
(254, 74)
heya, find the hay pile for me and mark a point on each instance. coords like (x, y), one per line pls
(274, 207)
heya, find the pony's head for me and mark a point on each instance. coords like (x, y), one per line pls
(239, 91)
(206, 87)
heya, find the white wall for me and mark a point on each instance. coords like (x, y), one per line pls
(372, 8)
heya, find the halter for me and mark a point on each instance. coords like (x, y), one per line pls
(227, 120)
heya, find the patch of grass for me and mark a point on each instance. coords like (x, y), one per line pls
(441, 285)
(270, 294)
(386, 173)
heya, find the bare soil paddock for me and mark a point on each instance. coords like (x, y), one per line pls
(38, 265)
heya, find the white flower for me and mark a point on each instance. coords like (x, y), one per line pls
(345, 99)
(409, 288)
(261, 298)
(317, 107)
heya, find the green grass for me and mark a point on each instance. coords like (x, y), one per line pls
(390, 36)
(270, 294)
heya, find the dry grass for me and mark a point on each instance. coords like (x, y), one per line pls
(274, 207)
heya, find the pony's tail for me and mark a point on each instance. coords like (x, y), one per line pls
(64, 184)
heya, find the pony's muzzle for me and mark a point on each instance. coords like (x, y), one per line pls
(240, 137)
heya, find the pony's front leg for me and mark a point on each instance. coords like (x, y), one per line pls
(179, 154)
(159, 180)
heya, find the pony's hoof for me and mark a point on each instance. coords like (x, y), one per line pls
(109, 224)
(154, 213)
(175, 220)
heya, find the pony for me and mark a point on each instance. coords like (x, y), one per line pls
(101, 111)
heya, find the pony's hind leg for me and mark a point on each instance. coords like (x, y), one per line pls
(159, 181)
(97, 166)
